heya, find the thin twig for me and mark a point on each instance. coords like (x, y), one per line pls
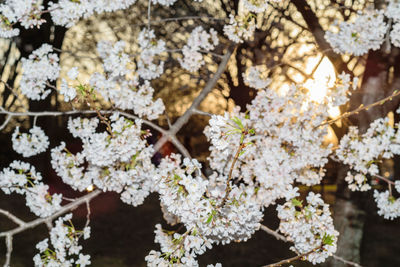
(346, 261)
(360, 108)
(301, 256)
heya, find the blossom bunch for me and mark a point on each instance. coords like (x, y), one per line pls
(115, 61)
(117, 160)
(240, 28)
(257, 77)
(63, 12)
(288, 143)
(22, 178)
(309, 227)
(129, 94)
(388, 206)
(198, 40)
(27, 13)
(177, 249)
(184, 194)
(358, 37)
(39, 68)
(148, 68)
(363, 152)
(256, 6)
(210, 212)
(68, 91)
(65, 249)
(67, 13)
(30, 144)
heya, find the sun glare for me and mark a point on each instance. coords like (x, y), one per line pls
(323, 78)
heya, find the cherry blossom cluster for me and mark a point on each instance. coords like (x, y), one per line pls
(256, 6)
(117, 160)
(65, 249)
(257, 77)
(68, 91)
(309, 227)
(198, 40)
(339, 93)
(358, 37)
(38, 69)
(151, 47)
(210, 211)
(67, 13)
(176, 249)
(27, 13)
(367, 31)
(240, 28)
(22, 178)
(115, 61)
(128, 93)
(286, 143)
(363, 152)
(30, 144)
(388, 206)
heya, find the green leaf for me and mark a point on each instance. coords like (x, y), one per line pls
(238, 122)
(328, 239)
(297, 203)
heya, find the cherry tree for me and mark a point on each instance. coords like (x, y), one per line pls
(260, 152)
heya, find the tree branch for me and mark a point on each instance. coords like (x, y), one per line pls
(197, 101)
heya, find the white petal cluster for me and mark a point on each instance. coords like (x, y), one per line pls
(26, 12)
(395, 34)
(178, 248)
(115, 61)
(309, 227)
(128, 94)
(67, 13)
(358, 37)
(41, 67)
(393, 10)
(65, 250)
(256, 6)
(362, 152)
(22, 178)
(240, 28)
(164, 2)
(148, 68)
(286, 144)
(388, 206)
(256, 77)
(202, 207)
(198, 40)
(118, 160)
(339, 93)
(183, 193)
(30, 144)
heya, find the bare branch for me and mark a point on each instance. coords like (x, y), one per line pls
(274, 233)
(197, 101)
(346, 261)
(361, 108)
(12, 217)
(64, 209)
(9, 245)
